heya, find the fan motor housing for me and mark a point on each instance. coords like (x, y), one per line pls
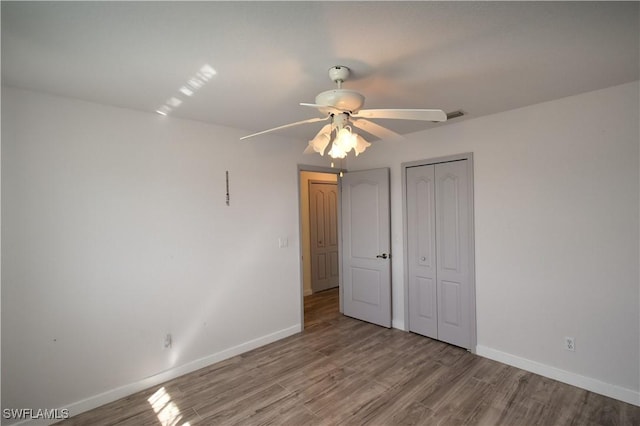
(342, 99)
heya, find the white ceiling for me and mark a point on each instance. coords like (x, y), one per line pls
(480, 57)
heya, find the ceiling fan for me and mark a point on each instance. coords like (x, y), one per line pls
(342, 108)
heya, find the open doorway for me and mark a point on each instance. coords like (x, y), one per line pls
(320, 230)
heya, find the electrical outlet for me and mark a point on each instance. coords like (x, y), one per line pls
(570, 344)
(168, 341)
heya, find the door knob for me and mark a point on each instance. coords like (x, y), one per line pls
(383, 256)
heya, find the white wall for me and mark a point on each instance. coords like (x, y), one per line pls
(115, 231)
(0, 254)
(556, 232)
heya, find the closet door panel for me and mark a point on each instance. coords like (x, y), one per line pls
(423, 311)
(452, 266)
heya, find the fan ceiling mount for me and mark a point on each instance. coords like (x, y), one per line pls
(344, 109)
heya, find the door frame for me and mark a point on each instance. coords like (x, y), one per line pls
(405, 232)
(328, 170)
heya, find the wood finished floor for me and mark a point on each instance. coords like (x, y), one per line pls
(344, 371)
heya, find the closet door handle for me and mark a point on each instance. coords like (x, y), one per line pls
(383, 256)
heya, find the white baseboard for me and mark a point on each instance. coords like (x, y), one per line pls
(115, 394)
(613, 391)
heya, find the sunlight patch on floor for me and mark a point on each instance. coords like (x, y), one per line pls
(167, 411)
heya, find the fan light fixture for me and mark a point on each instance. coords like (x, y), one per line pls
(344, 141)
(344, 108)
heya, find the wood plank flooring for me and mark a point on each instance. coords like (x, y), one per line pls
(344, 371)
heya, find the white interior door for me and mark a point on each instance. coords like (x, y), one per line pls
(453, 240)
(323, 221)
(366, 257)
(421, 253)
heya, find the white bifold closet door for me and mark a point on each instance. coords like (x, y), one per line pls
(440, 293)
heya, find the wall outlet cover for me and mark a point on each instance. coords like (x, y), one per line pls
(570, 344)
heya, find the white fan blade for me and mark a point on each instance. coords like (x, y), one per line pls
(404, 114)
(325, 108)
(297, 123)
(325, 129)
(309, 150)
(376, 129)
